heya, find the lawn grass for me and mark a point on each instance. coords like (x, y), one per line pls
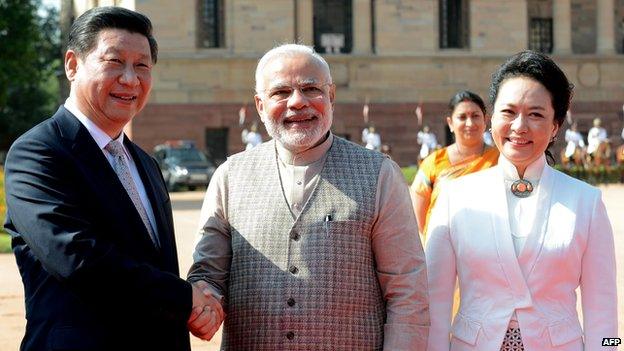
(5, 243)
(409, 173)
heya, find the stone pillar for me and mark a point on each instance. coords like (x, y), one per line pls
(305, 22)
(605, 25)
(362, 21)
(562, 24)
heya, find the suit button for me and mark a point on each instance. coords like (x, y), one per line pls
(293, 270)
(290, 335)
(294, 236)
(291, 302)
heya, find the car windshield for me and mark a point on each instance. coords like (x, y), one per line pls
(187, 155)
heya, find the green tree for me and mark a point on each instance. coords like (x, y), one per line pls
(29, 61)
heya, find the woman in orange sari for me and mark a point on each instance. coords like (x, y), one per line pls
(469, 154)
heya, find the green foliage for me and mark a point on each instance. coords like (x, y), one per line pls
(409, 173)
(5, 243)
(595, 175)
(30, 50)
(5, 239)
(2, 201)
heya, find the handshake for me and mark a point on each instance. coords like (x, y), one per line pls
(207, 313)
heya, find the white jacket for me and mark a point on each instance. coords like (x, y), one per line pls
(571, 245)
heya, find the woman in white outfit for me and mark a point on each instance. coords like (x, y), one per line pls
(520, 237)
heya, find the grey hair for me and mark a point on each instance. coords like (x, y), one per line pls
(287, 50)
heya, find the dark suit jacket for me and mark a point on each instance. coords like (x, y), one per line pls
(92, 277)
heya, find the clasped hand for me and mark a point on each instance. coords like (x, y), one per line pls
(207, 313)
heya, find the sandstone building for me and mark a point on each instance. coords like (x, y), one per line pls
(393, 53)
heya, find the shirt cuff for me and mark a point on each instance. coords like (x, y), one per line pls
(213, 290)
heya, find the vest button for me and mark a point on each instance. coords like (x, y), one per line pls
(293, 270)
(290, 335)
(294, 236)
(291, 302)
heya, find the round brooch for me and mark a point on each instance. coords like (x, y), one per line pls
(521, 188)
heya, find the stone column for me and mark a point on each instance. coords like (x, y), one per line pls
(605, 25)
(562, 24)
(305, 22)
(362, 21)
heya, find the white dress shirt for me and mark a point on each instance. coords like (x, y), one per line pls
(102, 139)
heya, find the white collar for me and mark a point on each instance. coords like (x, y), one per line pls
(306, 157)
(532, 173)
(101, 138)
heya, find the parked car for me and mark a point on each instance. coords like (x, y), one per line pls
(182, 164)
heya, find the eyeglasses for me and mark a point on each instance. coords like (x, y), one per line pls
(284, 92)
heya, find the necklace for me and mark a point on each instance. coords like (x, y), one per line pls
(521, 188)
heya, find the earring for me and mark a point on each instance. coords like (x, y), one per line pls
(553, 139)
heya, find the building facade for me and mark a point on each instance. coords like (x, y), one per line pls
(395, 54)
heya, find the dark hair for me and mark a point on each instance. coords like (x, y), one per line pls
(467, 96)
(542, 69)
(84, 31)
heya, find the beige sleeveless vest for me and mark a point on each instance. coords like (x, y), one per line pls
(308, 282)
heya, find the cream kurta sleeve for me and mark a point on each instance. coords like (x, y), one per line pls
(213, 253)
(400, 259)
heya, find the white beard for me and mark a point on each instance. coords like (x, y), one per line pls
(297, 140)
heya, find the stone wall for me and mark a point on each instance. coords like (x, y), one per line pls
(396, 123)
(395, 68)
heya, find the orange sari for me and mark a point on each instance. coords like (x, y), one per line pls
(436, 169)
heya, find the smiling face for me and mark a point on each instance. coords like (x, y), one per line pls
(110, 84)
(296, 103)
(467, 122)
(523, 121)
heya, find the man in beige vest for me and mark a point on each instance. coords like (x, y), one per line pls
(310, 240)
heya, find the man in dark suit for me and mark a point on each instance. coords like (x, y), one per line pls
(88, 211)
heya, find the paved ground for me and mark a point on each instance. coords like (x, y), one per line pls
(186, 211)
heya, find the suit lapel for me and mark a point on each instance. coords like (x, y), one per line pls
(154, 187)
(110, 192)
(535, 241)
(504, 243)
